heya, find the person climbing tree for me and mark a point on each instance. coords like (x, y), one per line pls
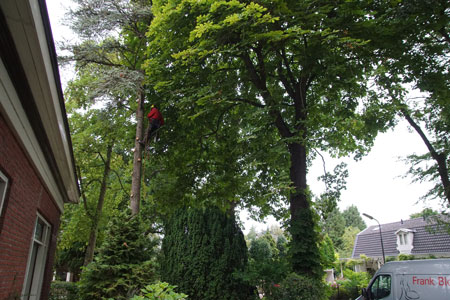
(155, 121)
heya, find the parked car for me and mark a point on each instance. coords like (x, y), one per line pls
(410, 280)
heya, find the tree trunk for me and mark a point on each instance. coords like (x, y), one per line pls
(137, 160)
(304, 252)
(98, 212)
(440, 158)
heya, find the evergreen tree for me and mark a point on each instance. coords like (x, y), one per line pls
(334, 227)
(353, 218)
(123, 265)
(201, 251)
(327, 254)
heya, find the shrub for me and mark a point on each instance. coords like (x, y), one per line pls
(405, 257)
(353, 283)
(62, 290)
(300, 287)
(159, 291)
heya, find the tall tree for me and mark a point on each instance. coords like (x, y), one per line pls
(100, 164)
(111, 43)
(291, 76)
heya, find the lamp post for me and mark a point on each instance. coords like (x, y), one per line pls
(381, 236)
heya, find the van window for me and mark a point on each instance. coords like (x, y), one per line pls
(381, 287)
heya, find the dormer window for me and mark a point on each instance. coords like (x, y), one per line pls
(405, 239)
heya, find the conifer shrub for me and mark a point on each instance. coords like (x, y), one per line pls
(124, 263)
(160, 291)
(201, 252)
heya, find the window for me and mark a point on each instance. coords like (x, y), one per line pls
(36, 261)
(381, 287)
(400, 236)
(3, 187)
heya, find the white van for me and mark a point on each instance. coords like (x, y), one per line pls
(427, 279)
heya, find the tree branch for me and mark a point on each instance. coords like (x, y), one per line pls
(83, 195)
(438, 157)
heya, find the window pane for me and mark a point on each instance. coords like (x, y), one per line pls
(37, 260)
(381, 287)
(39, 232)
(3, 186)
(31, 271)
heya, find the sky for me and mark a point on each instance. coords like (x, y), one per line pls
(376, 184)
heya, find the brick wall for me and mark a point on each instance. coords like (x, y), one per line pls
(26, 196)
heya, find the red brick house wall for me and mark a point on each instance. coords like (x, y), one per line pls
(26, 197)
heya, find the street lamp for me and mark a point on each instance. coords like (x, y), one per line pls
(381, 236)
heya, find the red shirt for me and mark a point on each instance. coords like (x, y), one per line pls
(155, 114)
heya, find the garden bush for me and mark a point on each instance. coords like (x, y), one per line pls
(353, 283)
(300, 287)
(62, 290)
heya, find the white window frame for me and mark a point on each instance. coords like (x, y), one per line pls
(37, 259)
(3, 188)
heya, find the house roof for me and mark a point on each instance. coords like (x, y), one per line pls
(429, 238)
(34, 106)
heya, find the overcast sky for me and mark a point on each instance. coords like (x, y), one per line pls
(375, 184)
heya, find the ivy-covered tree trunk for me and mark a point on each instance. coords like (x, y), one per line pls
(201, 251)
(135, 195)
(304, 237)
(98, 212)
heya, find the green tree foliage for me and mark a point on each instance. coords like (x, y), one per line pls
(415, 45)
(353, 218)
(201, 250)
(275, 78)
(123, 265)
(268, 264)
(425, 213)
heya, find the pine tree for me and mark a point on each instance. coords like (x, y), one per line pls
(201, 251)
(123, 264)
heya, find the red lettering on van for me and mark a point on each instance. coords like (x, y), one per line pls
(423, 281)
(443, 281)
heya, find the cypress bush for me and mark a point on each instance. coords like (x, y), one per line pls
(123, 264)
(201, 250)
